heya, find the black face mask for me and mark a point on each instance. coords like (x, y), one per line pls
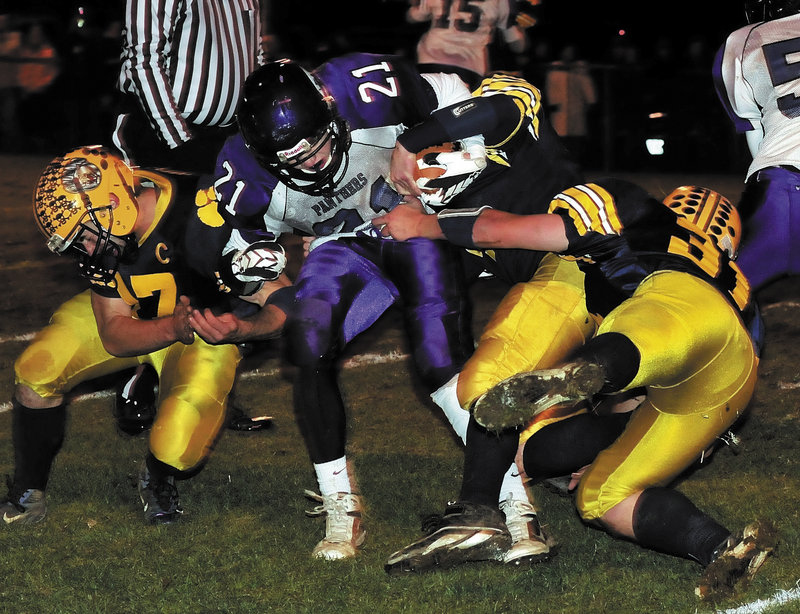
(102, 263)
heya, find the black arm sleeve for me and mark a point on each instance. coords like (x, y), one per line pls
(484, 115)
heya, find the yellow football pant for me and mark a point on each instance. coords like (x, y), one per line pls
(536, 326)
(194, 380)
(699, 368)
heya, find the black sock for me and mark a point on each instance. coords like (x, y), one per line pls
(567, 445)
(37, 435)
(666, 520)
(157, 469)
(486, 459)
(617, 354)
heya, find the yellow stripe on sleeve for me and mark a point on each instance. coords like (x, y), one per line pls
(591, 208)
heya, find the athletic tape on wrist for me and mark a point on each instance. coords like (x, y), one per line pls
(457, 224)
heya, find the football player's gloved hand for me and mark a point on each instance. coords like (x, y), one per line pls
(445, 170)
(244, 271)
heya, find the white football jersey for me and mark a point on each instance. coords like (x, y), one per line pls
(378, 96)
(757, 77)
(460, 32)
(353, 203)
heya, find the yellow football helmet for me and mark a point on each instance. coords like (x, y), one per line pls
(83, 200)
(711, 212)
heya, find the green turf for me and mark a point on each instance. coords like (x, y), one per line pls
(244, 544)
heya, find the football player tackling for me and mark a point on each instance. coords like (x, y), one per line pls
(527, 165)
(653, 273)
(313, 158)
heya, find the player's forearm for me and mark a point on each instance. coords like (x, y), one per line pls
(503, 230)
(276, 299)
(458, 121)
(267, 323)
(125, 336)
(429, 228)
(488, 228)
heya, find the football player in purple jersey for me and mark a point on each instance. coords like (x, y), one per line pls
(756, 75)
(312, 158)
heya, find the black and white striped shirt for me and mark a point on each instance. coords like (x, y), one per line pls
(186, 61)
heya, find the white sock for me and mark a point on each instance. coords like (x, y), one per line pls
(333, 477)
(513, 486)
(446, 398)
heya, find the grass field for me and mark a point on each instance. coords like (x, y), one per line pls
(244, 542)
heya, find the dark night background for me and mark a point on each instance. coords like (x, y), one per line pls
(644, 58)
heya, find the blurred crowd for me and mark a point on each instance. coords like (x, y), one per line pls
(58, 75)
(56, 81)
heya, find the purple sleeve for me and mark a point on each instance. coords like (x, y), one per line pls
(741, 125)
(244, 189)
(374, 90)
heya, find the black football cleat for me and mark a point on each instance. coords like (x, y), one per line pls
(467, 532)
(238, 420)
(159, 498)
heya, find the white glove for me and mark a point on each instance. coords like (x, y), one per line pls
(261, 261)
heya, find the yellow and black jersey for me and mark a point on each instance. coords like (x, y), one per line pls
(527, 163)
(527, 166)
(619, 235)
(172, 258)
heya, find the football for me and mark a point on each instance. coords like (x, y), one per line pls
(445, 170)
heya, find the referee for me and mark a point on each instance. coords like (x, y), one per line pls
(183, 65)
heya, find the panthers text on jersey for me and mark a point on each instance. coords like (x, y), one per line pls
(378, 96)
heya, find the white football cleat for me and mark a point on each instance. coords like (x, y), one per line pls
(343, 531)
(529, 544)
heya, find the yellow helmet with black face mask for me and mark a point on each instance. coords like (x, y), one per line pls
(711, 212)
(85, 205)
